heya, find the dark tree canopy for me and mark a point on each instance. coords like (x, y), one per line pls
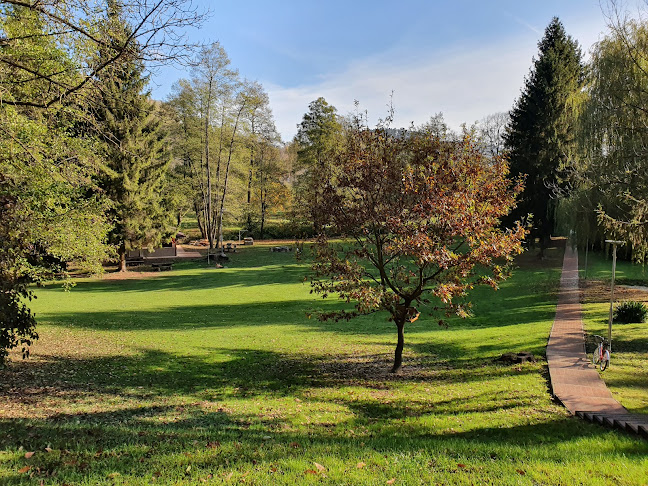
(541, 134)
(422, 221)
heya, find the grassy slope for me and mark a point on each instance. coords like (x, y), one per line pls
(627, 376)
(217, 375)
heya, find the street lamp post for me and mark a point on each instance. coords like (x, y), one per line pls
(241, 231)
(614, 248)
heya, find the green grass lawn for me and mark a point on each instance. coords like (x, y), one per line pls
(218, 376)
(627, 376)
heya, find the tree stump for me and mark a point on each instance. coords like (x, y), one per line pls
(517, 358)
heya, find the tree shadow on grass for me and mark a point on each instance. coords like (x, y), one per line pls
(193, 278)
(135, 443)
(224, 373)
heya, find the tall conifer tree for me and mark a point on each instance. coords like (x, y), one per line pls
(317, 138)
(540, 136)
(135, 152)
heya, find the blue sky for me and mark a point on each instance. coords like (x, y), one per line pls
(465, 58)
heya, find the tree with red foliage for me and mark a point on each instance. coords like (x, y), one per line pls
(422, 221)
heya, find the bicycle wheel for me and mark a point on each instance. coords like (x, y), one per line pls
(596, 356)
(604, 364)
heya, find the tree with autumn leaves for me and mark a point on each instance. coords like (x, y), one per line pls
(421, 218)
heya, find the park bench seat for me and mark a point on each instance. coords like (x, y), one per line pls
(162, 266)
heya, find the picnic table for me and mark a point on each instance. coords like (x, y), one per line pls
(230, 248)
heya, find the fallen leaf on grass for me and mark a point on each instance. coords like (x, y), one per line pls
(48, 449)
(319, 467)
(213, 445)
(521, 472)
(294, 445)
(28, 455)
(462, 466)
(113, 475)
(23, 470)
(360, 465)
(188, 470)
(310, 471)
(391, 481)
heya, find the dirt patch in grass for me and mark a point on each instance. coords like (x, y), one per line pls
(131, 275)
(597, 291)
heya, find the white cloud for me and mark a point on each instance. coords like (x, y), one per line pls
(464, 83)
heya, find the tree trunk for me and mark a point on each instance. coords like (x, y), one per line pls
(122, 260)
(227, 171)
(249, 185)
(201, 221)
(209, 222)
(263, 213)
(544, 244)
(398, 354)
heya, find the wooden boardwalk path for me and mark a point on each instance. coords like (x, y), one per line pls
(574, 380)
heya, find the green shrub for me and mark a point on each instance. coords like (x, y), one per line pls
(628, 312)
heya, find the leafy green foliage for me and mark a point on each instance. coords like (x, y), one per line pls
(226, 146)
(50, 212)
(541, 135)
(610, 176)
(630, 312)
(18, 324)
(318, 137)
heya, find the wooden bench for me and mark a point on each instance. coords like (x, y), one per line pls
(162, 266)
(134, 262)
(281, 249)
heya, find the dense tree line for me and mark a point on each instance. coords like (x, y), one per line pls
(227, 148)
(91, 167)
(609, 197)
(578, 134)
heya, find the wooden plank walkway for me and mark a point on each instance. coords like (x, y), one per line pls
(574, 380)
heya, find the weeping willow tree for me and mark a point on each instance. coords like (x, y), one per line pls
(611, 187)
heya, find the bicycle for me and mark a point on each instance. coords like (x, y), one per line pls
(601, 355)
